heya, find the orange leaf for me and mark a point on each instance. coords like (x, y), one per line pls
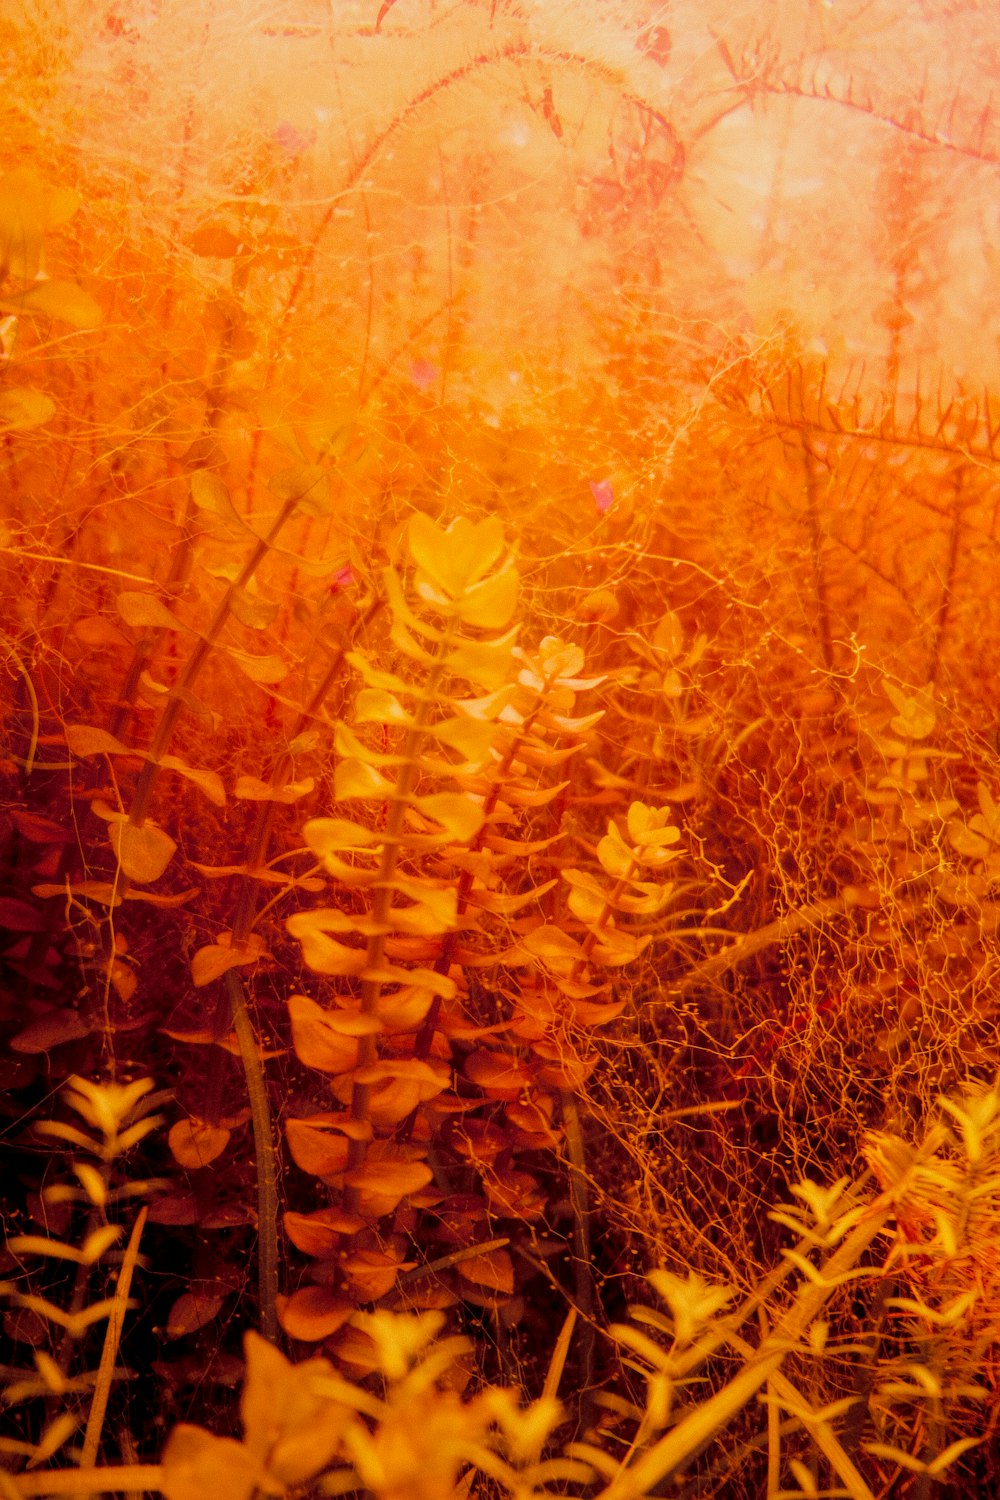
(533, 1117)
(319, 1234)
(495, 1270)
(84, 739)
(319, 1036)
(20, 917)
(229, 1042)
(478, 1141)
(372, 1273)
(399, 1085)
(313, 1313)
(51, 1030)
(563, 1069)
(143, 852)
(252, 789)
(192, 1311)
(38, 830)
(288, 1422)
(556, 949)
(175, 1208)
(214, 240)
(381, 1185)
(516, 1195)
(322, 953)
(95, 630)
(317, 1145)
(146, 611)
(498, 1074)
(354, 1348)
(212, 961)
(195, 1143)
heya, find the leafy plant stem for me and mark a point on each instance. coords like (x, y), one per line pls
(195, 662)
(372, 988)
(266, 1156)
(583, 1270)
(112, 1339)
(681, 1442)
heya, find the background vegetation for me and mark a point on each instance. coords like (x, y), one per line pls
(500, 796)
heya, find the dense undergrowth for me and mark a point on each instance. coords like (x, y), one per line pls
(500, 782)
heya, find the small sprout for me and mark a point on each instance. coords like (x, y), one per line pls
(693, 1302)
(399, 1338)
(978, 1116)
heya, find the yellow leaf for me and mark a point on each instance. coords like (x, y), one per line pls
(378, 706)
(287, 1422)
(264, 669)
(555, 948)
(52, 1439)
(353, 779)
(63, 300)
(650, 826)
(490, 605)
(459, 816)
(23, 216)
(208, 782)
(195, 1143)
(427, 918)
(615, 948)
(196, 1464)
(615, 856)
(350, 747)
(405, 1009)
(504, 905)
(425, 979)
(21, 408)
(585, 904)
(486, 663)
(331, 836)
(472, 738)
(459, 557)
(387, 681)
